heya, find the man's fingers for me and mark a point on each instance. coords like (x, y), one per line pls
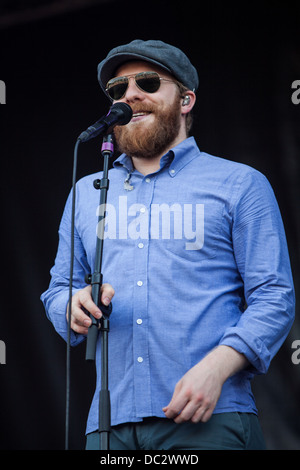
(204, 416)
(177, 403)
(191, 411)
(107, 293)
(185, 409)
(80, 320)
(190, 402)
(85, 300)
(83, 306)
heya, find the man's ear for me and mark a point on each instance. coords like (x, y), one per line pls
(188, 102)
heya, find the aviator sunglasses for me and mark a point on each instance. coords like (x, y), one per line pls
(148, 82)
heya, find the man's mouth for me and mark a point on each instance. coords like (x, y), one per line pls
(139, 115)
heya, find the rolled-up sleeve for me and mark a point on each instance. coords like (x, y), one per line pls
(262, 258)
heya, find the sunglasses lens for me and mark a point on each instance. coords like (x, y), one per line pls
(116, 88)
(148, 82)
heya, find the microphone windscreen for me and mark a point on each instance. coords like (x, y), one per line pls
(125, 109)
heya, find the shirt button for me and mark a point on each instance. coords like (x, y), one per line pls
(172, 172)
(140, 359)
(139, 321)
(148, 180)
(142, 210)
(140, 283)
(141, 245)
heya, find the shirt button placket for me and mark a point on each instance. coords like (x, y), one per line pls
(140, 325)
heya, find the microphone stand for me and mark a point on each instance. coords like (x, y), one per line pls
(101, 325)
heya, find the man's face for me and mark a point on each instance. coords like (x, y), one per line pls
(156, 122)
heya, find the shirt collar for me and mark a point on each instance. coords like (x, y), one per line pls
(184, 152)
(176, 158)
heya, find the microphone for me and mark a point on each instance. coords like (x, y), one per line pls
(118, 115)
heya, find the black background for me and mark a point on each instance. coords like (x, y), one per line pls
(247, 55)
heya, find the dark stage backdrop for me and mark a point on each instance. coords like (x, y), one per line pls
(248, 58)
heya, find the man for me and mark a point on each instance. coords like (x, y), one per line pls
(196, 260)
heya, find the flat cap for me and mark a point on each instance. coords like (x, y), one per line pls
(170, 58)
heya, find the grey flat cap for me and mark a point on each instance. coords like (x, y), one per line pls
(170, 58)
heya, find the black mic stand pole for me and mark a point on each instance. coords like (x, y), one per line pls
(103, 325)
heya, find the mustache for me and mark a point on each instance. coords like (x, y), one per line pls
(143, 108)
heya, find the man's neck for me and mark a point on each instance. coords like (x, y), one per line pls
(146, 166)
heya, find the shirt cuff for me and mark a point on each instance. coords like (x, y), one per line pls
(57, 315)
(251, 346)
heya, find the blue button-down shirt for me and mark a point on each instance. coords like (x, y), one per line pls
(197, 255)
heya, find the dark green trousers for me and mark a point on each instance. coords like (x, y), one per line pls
(224, 431)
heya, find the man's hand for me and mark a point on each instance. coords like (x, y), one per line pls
(80, 321)
(196, 394)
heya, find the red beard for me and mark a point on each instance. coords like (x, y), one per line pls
(143, 140)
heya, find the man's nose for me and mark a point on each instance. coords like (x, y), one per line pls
(133, 92)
